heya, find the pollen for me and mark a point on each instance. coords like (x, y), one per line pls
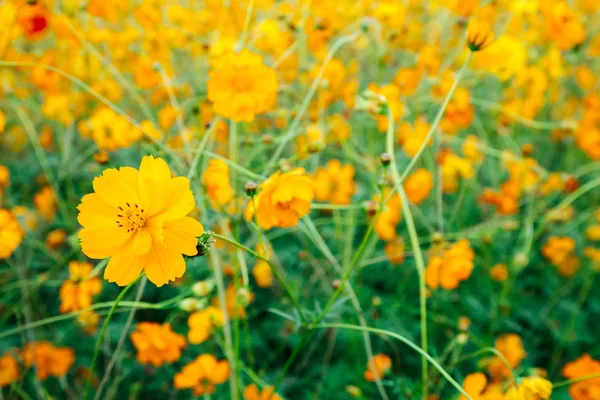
(131, 217)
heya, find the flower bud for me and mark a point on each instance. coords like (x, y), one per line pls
(251, 188)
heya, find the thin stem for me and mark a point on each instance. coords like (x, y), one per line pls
(575, 380)
(275, 271)
(289, 135)
(102, 332)
(115, 354)
(406, 341)
(437, 119)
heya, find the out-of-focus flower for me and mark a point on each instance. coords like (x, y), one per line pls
(76, 292)
(203, 322)
(241, 86)
(283, 199)
(451, 267)
(9, 370)
(335, 183)
(251, 392)
(530, 388)
(216, 180)
(475, 386)
(11, 233)
(583, 366)
(381, 363)
(511, 347)
(418, 185)
(45, 202)
(157, 344)
(48, 360)
(479, 34)
(202, 375)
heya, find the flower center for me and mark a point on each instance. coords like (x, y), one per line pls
(131, 217)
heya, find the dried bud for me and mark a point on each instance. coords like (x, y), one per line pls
(385, 159)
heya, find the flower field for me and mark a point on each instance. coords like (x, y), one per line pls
(300, 199)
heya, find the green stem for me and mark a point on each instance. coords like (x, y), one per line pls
(406, 341)
(275, 271)
(102, 332)
(575, 380)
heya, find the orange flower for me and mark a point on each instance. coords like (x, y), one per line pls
(76, 292)
(558, 248)
(263, 275)
(56, 238)
(157, 344)
(251, 392)
(511, 347)
(216, 180)
(475, 384)
(283, 199)
(450, 267)
(138, 219)
(381, 363)
(394, 250)
(45, 202)
(583, 366)
(335, 183)
(412, 137)
(34, 20)
(11, 233)
(202, 375)
(499, 272)
(418, 185)
(202, 323)
(241, 86)
(9, 370)
(563, 25)
(48, 360)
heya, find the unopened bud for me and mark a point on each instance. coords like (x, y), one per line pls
(385, 159)
(251, 188)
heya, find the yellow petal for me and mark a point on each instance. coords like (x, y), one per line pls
(123, 269)
(154, 169)
(116, 187)
(104, 241)
(179, 200)
(95, 212)
(141, 242)
(162, 264)
(180, 235)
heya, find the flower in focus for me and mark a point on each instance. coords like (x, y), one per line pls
(335, 183)
(157, 344)
(448, 268)
(216, 180)
(283, 199)
(583, 366)
(138, 219)
(202, 375)
(479, 34)
(530, 388)
(203, 322)
(251, 392)
(48, 360)
(9, 370)
(381, 364)
(76, 292)
(418, 185)
(241, 86)
(511, 347)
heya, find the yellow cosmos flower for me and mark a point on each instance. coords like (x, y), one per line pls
(216, 180)
(283, 199)
(241, 86)
(203, 322)
(11, 233)
(335, 183)
(451, 267)
(138, 219)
